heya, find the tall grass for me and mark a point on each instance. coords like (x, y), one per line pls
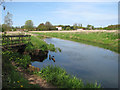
(12, 78)
(38, 43)
(59, 77)
(107, 40)
(21, 60)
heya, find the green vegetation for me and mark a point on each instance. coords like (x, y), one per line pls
(112, 27)
(10, 77)
(29, 25)
(47, 26)
(102, 39)
(38, 43)
(59, 77)
(20, 60)
(54, 75)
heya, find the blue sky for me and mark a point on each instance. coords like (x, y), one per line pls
(64, 13)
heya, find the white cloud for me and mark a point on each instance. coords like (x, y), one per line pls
(86, 14)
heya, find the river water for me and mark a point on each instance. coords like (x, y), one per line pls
(87, 62)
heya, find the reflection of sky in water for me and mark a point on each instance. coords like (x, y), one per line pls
(85, 61)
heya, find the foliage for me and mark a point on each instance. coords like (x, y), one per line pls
(29, 25)
(8, 21)
(51, 47)
(47, 26)
(112, 27)
(38, 43)
(10, 77)
(29, 47)
(89, 27)
(21, 60)
(68, 28)
(41, 27)
(59, 77)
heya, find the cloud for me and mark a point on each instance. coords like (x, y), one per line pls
(87, 14)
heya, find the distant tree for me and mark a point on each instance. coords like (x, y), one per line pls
(112, 27)
(89, 27)
(4, 27)
(22, 27)
(8, 21)
(79, 25)
(75, 26)
(68, 28)
(48, 25)
(41, 27)
(29, 25)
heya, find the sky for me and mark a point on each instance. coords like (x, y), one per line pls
(99, 14)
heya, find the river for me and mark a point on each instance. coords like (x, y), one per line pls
(87, 62)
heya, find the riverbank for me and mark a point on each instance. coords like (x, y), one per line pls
(107, 40)
(54, 75)
(19, 76)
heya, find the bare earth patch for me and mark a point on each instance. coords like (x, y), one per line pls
(34, 79)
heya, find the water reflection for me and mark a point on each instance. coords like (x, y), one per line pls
(39, 55)
(86, 62)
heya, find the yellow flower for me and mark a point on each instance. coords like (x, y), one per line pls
(21, 86)
(18, 81)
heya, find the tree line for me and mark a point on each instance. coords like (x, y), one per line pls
(47, 26)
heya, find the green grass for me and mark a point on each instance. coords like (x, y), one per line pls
(59, 77)
(107, 40)
(39, 43)
(12, 78)
(21, 60)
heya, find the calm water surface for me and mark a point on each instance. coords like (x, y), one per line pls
(86, 62)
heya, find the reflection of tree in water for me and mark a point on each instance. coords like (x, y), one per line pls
(39, 55)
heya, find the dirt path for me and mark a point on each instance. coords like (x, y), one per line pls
(34, 79)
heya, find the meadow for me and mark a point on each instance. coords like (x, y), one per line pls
(107, 40)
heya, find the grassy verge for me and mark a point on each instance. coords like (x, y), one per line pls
(10, 77)
(59, 77)
(107, 40)
(38, 43)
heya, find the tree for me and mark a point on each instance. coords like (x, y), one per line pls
(22, 27)
(48, 25)
(67, 28)
(29, 25)
(90, 27)
(41, 27)
(8, 21)
(75, 26)
(79, 25)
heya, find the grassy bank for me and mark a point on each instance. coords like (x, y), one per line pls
(38, 43)
(10, 77)
(59, 77)
(107, 40)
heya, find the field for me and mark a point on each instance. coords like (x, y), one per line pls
(107, 40)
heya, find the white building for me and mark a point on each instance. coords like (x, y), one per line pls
(79, 29)
(59, 28)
